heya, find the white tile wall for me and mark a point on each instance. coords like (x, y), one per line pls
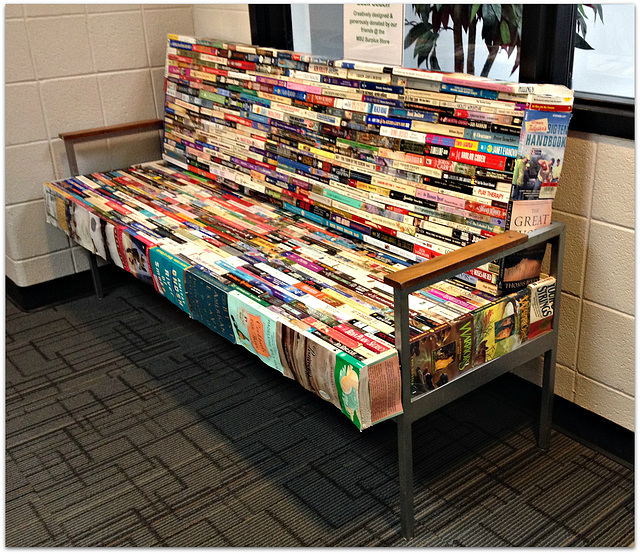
(36, 239)
(607, 353)
(565, 382)
(102, 8)
(91, 156)
(605, 401)
(611, 195)
(564, 385)
(80, 258)
(576, 181)
(149, 7)
(569, 324)
(13, 10)
(158, 24)
(38, 10)
(71, 104)
(609, 278)
(40, 269)
(575, 250)
(157, 78)
(132, 149)
(62, 74)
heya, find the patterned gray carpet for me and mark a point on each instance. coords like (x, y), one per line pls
(128, 424)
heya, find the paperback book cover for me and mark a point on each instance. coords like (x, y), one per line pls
(498, 327)
(168, 272)
(384, 386)
(98, 231)
(309, 361)
(55, 206)
(347, 379)
(133, 255)
(541, 155)
(542, 298)
(255, 328)
(78, 222)
(443, 354)
(112, 231)
(207, 299)
(518, 270)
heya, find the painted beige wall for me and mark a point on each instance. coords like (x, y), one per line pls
(65, 72)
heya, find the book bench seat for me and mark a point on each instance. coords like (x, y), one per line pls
(350, 321)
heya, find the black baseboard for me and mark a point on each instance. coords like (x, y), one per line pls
(64, 289)
(580, 424)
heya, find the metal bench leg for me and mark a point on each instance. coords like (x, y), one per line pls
(405, 472)
(95, 275)
(546, 407)
(549, 371)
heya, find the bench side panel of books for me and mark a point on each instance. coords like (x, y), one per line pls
(294, 187)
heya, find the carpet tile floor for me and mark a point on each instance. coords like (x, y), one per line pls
(129, 424)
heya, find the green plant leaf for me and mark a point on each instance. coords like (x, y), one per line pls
(598, 9)
(422, 10)
(423, 48)
(433, 60)
(508, 15)
(489, 22)
(415, 33)
(517, 11)
(504, 32)
(497, 10)
(517, 64)
(474, 11)
(582, 26)
(581, 10)
(424, 45)
(579, 42)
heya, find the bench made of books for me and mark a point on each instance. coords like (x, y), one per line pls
(298, 195)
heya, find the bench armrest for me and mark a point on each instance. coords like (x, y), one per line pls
(123, 128)
(461, 259)
(70, 139)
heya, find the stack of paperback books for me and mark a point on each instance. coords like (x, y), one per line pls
(428, 162)
(293, 184)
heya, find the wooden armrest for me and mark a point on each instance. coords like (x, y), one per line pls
(148, 124)
(405, 278)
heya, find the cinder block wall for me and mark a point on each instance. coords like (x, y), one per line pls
(71, 67)
(596, 195)
(223, 21)
(68, 65)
